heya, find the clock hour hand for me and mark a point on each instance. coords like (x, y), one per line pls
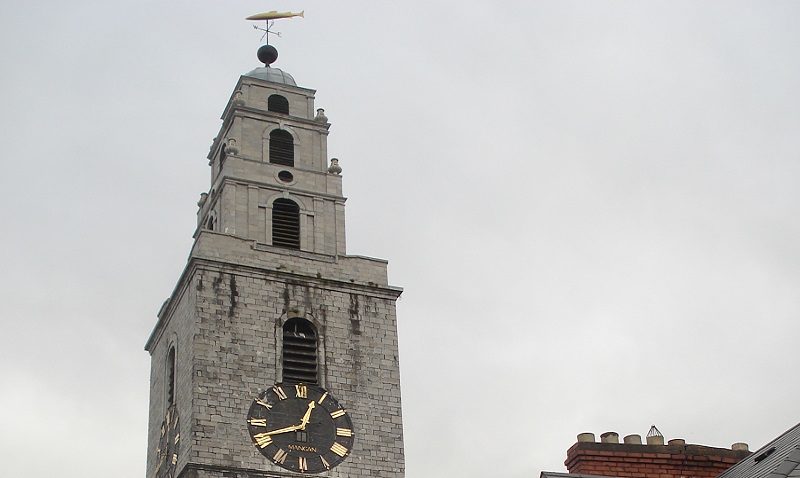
(302, 426)
(307, 417)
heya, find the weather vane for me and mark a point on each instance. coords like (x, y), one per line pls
(270, 18)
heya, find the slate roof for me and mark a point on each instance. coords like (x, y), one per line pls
(553, 474)
(779, 458)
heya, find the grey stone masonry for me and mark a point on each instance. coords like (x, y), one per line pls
(244, 185)
(225, 317)
(225, 320)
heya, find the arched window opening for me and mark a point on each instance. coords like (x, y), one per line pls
(278, 104)
(171, 377)
(281, 148)
(299, 351)
(286, 224)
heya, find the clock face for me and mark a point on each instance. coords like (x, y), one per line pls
(300, 427)
(168, 445)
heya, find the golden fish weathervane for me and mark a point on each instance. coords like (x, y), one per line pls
(270, 18)
(274, 15)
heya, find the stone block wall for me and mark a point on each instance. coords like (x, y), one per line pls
(177, 320)
(226, 321)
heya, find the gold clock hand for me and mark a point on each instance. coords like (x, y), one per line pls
(307, 416)
(160, 461)
(282, 430)
(302, 426)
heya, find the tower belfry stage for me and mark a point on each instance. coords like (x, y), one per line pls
(276, 353)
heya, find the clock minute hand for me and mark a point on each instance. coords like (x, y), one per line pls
(283, 430)
(302, 426)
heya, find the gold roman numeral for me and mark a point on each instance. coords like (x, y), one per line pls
(337, 413)
(258, 422)
(174, 458)
(279, 392)
(325, 463)
(338, 449)
(280, 456)
(301, 391)
(302, 464)
(324, 395)
(263, 404)
(177, 438)
(262, 439)
(344, 432)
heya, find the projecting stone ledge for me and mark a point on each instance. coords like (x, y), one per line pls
(363, 271)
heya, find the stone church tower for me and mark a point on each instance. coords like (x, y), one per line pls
(276, 354)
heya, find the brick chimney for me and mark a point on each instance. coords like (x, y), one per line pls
(631, 459)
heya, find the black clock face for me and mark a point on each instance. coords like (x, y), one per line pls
(300, 427)
(168, 445)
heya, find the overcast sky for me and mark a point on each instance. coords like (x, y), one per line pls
(592, 207)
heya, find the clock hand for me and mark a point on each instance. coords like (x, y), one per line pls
(302, 426)
(160, 461)
(307, 417)
(282, 430)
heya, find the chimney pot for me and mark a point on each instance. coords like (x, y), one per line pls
(677, 441)
(609, 437)
(655, 440)
(586, 437)
(633, 439)
(739, 446)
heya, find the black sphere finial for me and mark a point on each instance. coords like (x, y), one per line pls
(267, 54)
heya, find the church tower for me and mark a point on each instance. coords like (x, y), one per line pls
(276, 354)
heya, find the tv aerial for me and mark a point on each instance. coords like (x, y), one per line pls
(269, 18)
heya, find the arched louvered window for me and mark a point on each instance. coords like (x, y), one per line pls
(281, 148)
(299, 351)
(222, 156)
(286, 224)
(278, 104)
(171, 377)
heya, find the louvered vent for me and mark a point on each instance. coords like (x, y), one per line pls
(278, 104)
(299, 351)
(285, 224)
(281, 148)
(171, 376)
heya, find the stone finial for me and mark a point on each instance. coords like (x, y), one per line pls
(238, 98)
(203, 199)
(321, 118)
(335, 168)
(231, 147)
